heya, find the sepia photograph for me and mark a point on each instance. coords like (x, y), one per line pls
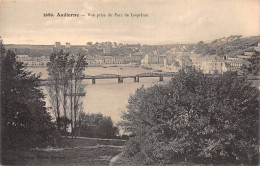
(129, 82)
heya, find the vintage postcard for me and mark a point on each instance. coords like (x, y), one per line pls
(130, 82)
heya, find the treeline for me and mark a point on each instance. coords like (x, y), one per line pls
(41, 50)
(31, 50)
(194, 119)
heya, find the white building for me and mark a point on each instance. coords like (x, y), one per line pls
(196, 60)
(184, 61)
(211, 64)
(57, 45)
(152, 59)
(33, 61)
(67, 45)
(249, 53)
(244, 56)
(238, 64)
(19, 57)
(44, 60)
(208, 64)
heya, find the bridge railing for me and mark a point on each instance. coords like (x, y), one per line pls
(157, 74)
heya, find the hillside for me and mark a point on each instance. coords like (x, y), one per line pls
(230, 46)
(31, 50)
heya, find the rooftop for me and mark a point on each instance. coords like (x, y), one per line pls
(212, 58)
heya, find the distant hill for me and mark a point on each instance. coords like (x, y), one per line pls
(39, 50)
(31, 50)
(236, 40)
(12, 46)
(231, 46)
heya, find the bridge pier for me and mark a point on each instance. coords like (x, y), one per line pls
(120, 80)
(136, 79)
(161, 78)
(93, 81)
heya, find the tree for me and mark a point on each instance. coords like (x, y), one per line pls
(195, 118)
(25, 121)
(65, 74)
(202, 48)
(78, 70)
(97, 125)
(76, 74)
(64, 123)
(54, 88)
(64, 68)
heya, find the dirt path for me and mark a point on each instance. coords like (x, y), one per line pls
(114, 159)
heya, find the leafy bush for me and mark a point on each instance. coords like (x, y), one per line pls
(195, 118)
(133, 147)
(97, 125)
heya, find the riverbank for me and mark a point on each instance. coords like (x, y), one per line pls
(80, 151)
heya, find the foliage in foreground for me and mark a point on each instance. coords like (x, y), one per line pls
(25, 121)
(195, 118)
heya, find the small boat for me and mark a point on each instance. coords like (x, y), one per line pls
(104, 67)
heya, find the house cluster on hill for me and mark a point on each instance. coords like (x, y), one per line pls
(174, 60)
(215, 64)
(113, 53)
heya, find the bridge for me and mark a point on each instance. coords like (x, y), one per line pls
(136, 78)
(121, 77)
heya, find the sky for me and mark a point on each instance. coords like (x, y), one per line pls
(168, 21)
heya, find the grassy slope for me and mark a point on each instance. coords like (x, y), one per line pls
(71, 152)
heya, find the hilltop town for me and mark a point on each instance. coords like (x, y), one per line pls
(235, 53)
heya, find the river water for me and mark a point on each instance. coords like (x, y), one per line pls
(108, 96)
